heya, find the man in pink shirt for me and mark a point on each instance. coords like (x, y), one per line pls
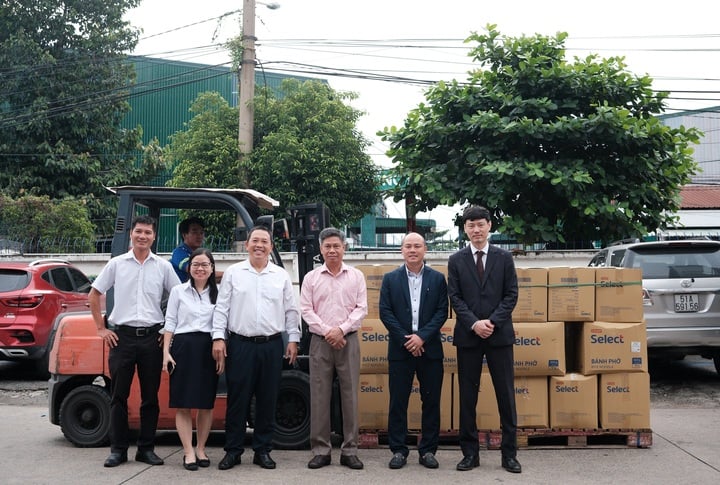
(333, 302)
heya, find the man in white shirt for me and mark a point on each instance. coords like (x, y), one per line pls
(139, 278)
(256, 303)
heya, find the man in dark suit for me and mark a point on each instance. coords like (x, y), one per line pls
(482, 285)
(413, 307)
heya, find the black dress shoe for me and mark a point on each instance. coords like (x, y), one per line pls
(149, 457)
(511, 465)
(192, 466)
(229, 461)
(351, 461)
(319, 461)
(202, 462)
(428, 460)
(264, 460)
(468, 463)
(398, 460)
(115, 458)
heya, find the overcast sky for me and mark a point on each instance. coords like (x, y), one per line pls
(421, 40)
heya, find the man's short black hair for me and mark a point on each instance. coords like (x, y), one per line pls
(260, 227)
(474, 213)
(186, 223)
(143, 219)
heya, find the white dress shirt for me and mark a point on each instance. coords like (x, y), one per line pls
(253, 304)
(189, 311)
(484, 250)
(415, 287)
(138, 287)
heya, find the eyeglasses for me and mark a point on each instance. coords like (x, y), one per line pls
(200, 265)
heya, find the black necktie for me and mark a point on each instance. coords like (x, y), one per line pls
(480, 266)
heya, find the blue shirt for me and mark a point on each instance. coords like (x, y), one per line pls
(179, 259)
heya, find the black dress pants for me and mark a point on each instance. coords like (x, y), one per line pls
(251, 369)
(500, 363)
(430, 376)
(145, 354)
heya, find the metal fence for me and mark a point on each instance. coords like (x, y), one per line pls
(10, 246)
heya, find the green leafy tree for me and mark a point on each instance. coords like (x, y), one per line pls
(206, 155)
(47, 226)
(206, 152)
(558, 151)
(306, 149)
(64, 92)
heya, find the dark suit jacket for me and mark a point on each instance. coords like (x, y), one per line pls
(494, 298)
(396, 311)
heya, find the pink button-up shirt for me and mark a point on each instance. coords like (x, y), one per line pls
(328, 301)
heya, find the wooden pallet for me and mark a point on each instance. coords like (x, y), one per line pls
(534, 438)
(574, 438)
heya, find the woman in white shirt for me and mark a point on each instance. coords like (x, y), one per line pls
(187, 355)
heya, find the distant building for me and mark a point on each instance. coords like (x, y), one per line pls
(707, 153)
(700, 201)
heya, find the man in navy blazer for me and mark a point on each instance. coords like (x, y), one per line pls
(483, 290)
(413, 307)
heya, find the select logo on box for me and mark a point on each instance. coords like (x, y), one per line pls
(368, 387)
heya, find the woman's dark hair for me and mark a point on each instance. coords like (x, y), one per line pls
(212, 283)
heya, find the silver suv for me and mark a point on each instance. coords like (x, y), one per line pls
(681, 293)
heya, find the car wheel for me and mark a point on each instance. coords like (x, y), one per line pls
(85, 416)
(292, 414)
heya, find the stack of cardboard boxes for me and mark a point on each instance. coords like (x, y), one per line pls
(580, 354)
(598, 314)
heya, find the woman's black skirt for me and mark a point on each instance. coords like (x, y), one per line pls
(193, 382)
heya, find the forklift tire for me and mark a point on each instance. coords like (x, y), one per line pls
(292, 413)
(85, 416)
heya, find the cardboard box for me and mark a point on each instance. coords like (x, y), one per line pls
(442, 268)
(487, 417)
(532, 300)
(531, 402)
(449, 350)
(374, 339)
(571, 294)
(539, 348)
(608, 347)
(373, 280)
(624, 401)
(374, 403)
(573, 401)
(618, 295)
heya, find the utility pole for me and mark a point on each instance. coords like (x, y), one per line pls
(246, 78)
(246, 82)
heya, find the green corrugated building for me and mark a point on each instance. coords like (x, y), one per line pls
(161, 98)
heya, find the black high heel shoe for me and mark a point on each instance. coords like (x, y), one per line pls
(202, 462)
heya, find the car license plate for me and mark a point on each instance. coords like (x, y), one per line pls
(686, 302)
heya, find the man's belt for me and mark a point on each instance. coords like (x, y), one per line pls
(138, 331)
(257, 339)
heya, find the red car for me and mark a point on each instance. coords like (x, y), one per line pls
(32, 295)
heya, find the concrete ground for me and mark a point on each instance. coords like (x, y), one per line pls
(685, 449)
